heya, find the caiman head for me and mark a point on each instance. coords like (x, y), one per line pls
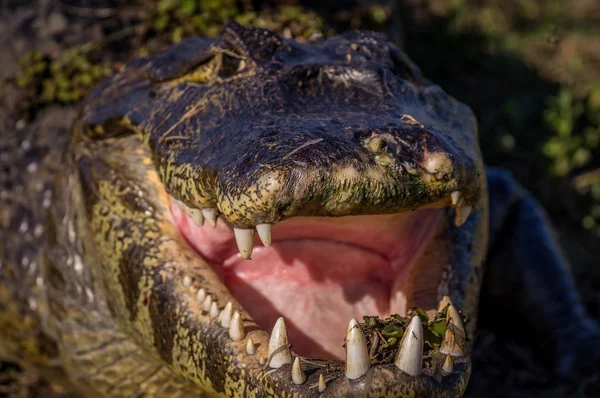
(363, 182)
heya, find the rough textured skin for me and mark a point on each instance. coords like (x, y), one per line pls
(94, 267)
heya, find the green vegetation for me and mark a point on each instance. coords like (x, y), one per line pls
(384, 335)
(184, 18)
(63, 80)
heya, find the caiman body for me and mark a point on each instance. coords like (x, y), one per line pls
(112, 274)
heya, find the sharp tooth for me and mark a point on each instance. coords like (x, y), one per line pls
(455, 196)
(226, 315)
(201, 295)
(443, 303)
(448, 365)
(461, 214)
(450, 345)
(322, 384)
(210, 215)
(245, 241)
(250, 347)
(298, 375)
(279, 351)
(264, 233)
(187, 281)
(452, 316)
(181, 205)
(236, 327)
(357, 355)
(197, 216)
(410, 355)
(207, 303)
(186, 209)
(214, 310)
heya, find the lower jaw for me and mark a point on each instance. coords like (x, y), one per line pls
(319, 290)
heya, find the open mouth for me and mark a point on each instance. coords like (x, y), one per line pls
(319, 272)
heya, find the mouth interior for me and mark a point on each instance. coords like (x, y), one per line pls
(319, 272)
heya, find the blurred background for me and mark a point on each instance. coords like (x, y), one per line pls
(530, 69)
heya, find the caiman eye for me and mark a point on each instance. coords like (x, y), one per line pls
(231, 65)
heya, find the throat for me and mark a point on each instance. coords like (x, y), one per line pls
(319, 272)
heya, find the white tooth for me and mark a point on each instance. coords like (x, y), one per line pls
(322, 384)
(298, 375)
(197, 217)
(210, 215)
(443, 303)
(261, 361)
(186, 209)
(452, 316)
(214, 310)
(181, 205)
(245, 241)
(448, 365)
(461, 214)
(236, 327)
(357, 355)
(207, 303)
(201, 295)
(187, 281)
(250, 347)
(455, 196)
(279, 351)
(410, 355)
(264, 233)
(226, 315)
(449, 344)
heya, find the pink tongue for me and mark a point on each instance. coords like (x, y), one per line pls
(318, 273)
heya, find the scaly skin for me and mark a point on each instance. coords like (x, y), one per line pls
(112, 299)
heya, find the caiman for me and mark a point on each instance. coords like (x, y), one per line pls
(222, 215)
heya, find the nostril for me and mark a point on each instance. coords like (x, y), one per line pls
(437, 163)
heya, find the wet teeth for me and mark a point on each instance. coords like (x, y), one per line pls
(187, 281)
(236, 327)
(298, 375)
(279, 351)
(201, 295)
(226, 315)
(449, 344)
(207, 303)
(410, 355)
(250, 347)
(357, 354)
(448, 365)
(455, 197)
(214, 310)
(245, 241)
(196, 215)
(322, 385)
(210, 215)
(264, 233)
(461, 214)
